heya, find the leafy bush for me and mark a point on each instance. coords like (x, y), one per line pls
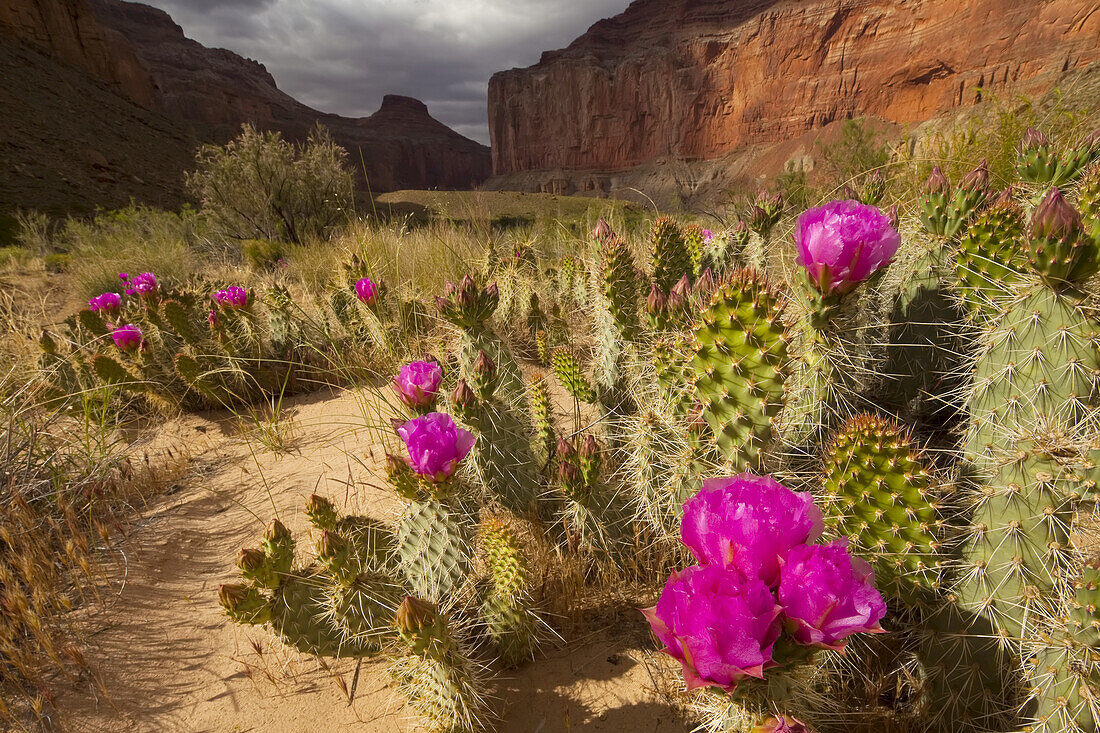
(262, 186)
(264, 254)
(860, 149)
(57, 262)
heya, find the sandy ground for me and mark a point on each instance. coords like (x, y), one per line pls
(172, 661)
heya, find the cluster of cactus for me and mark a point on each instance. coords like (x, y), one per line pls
(185, 349)
(704, 366)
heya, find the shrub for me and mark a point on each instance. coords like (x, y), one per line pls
(264, 254)
(56, 262)
(260, 186)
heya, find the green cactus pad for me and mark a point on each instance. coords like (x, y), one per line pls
(878, 493)
(363, 610)
(182, 322)
(991, 259)
(671, 258)
(93, 323)
(740, 365)
(432, 545)
(298, 610)
(504, 606)
(569, 373)
(621, 285)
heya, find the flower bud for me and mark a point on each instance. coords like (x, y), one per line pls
(936, 184)
(244, 604)
(464, 399)
(704, 286)
(419, 624)
(977, 179)
(1034, 139)
(656, 302)
(277, 532)
(1054, 239)
(485, 375)
(321, 512)
(678, 297)
(250, 560)
(602, 231)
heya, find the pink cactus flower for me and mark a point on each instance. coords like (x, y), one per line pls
(212, 318)
(721, 626)
(708, 235)
(143, 284)
(366, 291)
(843, 243)
(435, 445)
(109, 303)
(827, 595)
(234, 297)
(417, 383)
(127, 337)
(749, 523)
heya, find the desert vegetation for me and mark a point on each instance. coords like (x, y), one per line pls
(842, 451)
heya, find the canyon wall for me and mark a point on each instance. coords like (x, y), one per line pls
(695, 80)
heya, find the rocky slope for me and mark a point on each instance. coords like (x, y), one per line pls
(105, 101)
(68, 31)
(71, 142)
(669, 81)
(401, 145)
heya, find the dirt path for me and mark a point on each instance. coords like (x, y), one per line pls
(172, 661)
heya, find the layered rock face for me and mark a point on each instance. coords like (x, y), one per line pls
(699, 79)
(68, 31)
(401, 145)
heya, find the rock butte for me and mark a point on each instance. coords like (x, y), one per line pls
(699, 79)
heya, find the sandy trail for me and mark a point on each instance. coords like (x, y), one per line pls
(172, 661)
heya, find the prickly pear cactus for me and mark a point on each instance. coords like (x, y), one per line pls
(991, 258)
(505, 607)
(432, 544)
(740, 366)
(438, 674)
(569, 373)
(671, 258)
(878, 494)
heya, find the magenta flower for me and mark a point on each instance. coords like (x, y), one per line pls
(708, 235)
(827, 595)
(143, 284)
(843, 242)
(749, 523)
(435, 445)
(718, 624)
(212, 318)
(417, 383)
(106, 302)
(232, 297)
(128, 337)
(366, 291)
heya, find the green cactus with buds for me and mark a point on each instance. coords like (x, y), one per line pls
(944, 210)
(438, 675)
(671, 259)
(1039, 163)
(569, 373)
(991, 259)
(878, 493)
(542, 421)
(505, 607)
(740, 366)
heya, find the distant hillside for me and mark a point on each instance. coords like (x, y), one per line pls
(106, 100)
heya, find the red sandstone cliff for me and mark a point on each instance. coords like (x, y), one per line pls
(699, 79)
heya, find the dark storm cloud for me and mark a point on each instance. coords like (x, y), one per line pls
(343, 55)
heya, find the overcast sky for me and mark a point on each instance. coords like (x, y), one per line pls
(342, 55)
